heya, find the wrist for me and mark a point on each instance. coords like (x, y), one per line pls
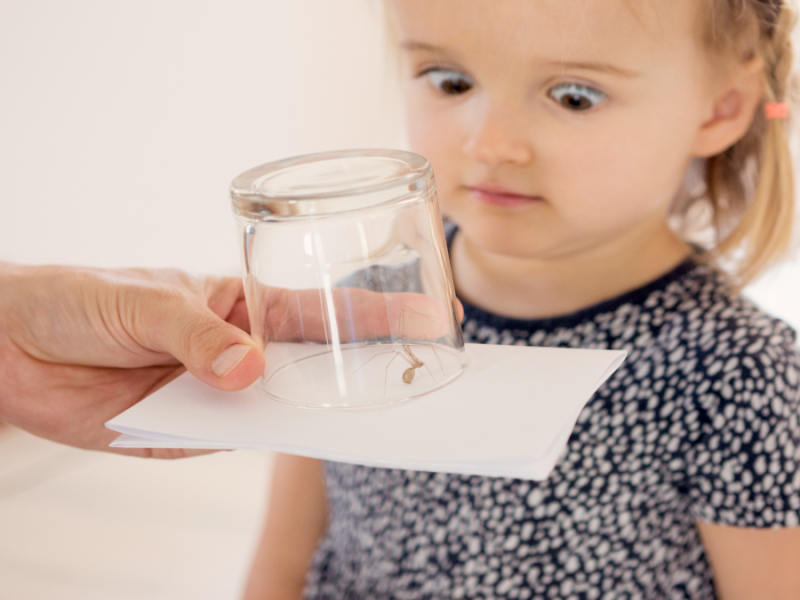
(9, 353)
(18, 292)
(9, 275)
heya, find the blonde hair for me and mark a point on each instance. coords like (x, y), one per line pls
(742, 213)
(749, 188)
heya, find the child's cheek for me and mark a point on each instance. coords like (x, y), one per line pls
(433, 137)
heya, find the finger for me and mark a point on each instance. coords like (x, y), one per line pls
(238, 316)
(216, 352)
(293, 315)
(417, 316)
(161, 453)
(225, 297)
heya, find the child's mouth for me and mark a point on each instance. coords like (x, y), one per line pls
(500, 196)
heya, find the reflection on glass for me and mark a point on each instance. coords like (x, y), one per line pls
(347, 278)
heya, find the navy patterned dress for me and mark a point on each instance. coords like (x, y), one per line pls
(702, 422)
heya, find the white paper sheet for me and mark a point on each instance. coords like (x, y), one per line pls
(509, 414)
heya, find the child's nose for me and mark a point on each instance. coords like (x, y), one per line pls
(497, 137)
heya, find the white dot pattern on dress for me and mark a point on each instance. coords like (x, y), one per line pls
(700, 423)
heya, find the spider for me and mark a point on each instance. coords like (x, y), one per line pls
(406, 354)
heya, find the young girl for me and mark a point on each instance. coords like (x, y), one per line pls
(580, 147)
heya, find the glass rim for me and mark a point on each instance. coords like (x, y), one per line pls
(248, 197)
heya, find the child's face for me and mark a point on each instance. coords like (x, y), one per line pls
(588, 111)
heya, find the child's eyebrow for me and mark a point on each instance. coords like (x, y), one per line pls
(412, 45)
(594, 66)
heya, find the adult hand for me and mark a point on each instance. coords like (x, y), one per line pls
(79, 346)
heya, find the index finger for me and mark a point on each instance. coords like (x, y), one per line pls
(355, 313)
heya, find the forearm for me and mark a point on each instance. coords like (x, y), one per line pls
(750, 563)
(295, 522)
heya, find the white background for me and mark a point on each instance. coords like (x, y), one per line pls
(121, 125)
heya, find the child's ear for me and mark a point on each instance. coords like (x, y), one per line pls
(733, 109)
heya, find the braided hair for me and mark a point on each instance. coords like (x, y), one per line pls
(749, 188)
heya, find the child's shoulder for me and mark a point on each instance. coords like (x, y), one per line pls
(691, 308)
(701, 311)
(734, 372)
(739, 362)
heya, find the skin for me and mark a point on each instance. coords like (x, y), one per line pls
(606, 176)
(603, 178)
(78, 346)
(294, 526)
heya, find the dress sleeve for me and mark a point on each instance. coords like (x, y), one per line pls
(742, 469)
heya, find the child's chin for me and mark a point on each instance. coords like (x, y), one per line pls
(498, 241)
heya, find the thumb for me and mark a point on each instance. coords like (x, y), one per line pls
(212, 350)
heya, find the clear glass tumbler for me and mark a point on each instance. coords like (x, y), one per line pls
(347, 278)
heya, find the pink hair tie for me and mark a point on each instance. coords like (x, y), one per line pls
(776, 110)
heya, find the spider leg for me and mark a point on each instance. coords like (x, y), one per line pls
(438, 359)
(401, 354)
(407, 348)
(419, 314)
(386, 371)
(429, 371)
(411, 358)
(374, 356)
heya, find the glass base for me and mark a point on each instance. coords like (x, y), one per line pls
(358, 375)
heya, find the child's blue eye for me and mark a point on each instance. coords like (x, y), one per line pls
(575, 96)
(448, 81)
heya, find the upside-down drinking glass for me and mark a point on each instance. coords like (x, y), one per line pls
(347, 278)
